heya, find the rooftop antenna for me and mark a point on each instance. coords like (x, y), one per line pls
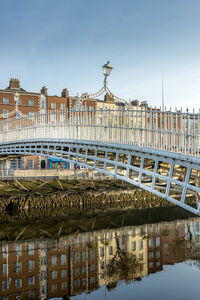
(163, 102)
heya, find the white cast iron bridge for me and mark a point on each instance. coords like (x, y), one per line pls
(158, 151)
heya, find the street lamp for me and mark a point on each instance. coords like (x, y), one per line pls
(16, 98)
(107, 68)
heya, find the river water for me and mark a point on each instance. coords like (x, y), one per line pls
(152, 260)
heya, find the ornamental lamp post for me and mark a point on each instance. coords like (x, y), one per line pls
(107, 68)
(16, 99)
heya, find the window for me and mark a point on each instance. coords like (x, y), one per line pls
(92, 280)
(166, 246)
(141, 256)
(110, 236)
(110, 250)
(76, 256)
(30, 249)
(63, 273)
(83, 255)
(54, 287)
(18, 267)
(53, 246)
(91, 254)
(31, 294)
(157, 254)
(4, 252)
(31, 280)
(43, 275)
(53, 105)
(133, 246)
(63, 285)
(141, 245)
(18, 250)
(30, 102)
(31, 114)
(102, 251)
(92, 268)
(133, 232)
(30, 164)
(76, 271)
(83, 241)
(84, 281)
(151, 265)
(150, 254)
(31, 265)
(83, 269)
(18, 283)
(158, 264)
(4, 269)
(4, 285)
(43, 261)
(77, 282)
(13, 164)
(5, 113)
(53, 260)
(54, 274)
(157, 241)
(19, 102)
(102, 265)
(63, 259)
(5, 298)
(42, 104)
(150, 242)
(5, 100)
(63, 244)
(62, 106)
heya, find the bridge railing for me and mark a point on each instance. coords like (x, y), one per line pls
(165, 130)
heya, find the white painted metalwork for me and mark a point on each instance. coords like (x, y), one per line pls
(155, 150)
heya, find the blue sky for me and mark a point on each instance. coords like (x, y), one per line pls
(64, 43)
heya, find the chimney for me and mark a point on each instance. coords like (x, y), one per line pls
(44, 90)
(14, 84)
(135, 102)
(65, 93)
(109, 98)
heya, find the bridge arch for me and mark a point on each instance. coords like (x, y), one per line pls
(169, 175)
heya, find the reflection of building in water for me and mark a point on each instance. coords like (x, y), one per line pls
(83, 263)
(58, 268)
(80, 263)
(192, 228)
(161, 241)
(129, 240)
(19, 270)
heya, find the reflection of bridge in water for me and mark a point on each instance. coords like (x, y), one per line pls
(156, 151)
(83, 262)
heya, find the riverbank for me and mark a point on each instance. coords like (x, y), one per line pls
(50, 195)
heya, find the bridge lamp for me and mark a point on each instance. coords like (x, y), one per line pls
(107, 68)
(16, 99)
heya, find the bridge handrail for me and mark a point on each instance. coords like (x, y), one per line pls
(164, 130)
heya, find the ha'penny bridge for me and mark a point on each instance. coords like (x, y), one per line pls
(153, 149)
(145, 148)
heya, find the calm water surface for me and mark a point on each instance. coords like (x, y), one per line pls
(150, 261)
